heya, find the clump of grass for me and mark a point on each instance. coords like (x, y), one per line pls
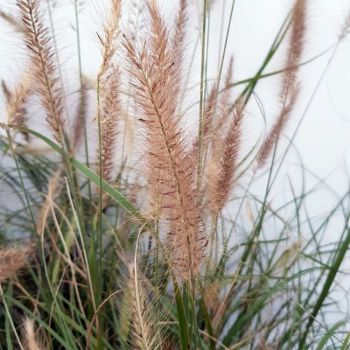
(154, 246)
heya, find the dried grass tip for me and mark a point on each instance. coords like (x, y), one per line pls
(12, 260)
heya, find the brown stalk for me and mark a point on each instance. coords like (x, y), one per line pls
(39, 45)
(289, 88)
(170, 174)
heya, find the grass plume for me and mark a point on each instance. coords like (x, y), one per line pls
(30, 338)
(41, 52)
(221, 181)
(12, 260)
(146, 332)
(16, 101)
(108, 92)
(172, 183)
(289, 88)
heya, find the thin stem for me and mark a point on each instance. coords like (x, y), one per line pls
(80, 66)
(83, 246)
(225, 47)
(202, 96)
(8, 314)
(23, 188)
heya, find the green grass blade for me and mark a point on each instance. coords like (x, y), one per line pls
(329, 334)
(326, 287)
(114, 193)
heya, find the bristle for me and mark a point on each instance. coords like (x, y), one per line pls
(79, 124)
(109, 96)
(178, 43)
(217, 112)
(208, 122)
(12, 260)
(30, 339)
(109, 36)
(53, 190)
(145, 328)
(225, 159)
(171, 176)
(80, 117)
(289, 87)
(109, 116)
(41, 50)
(268, 144)
(212, 296)
(180, 29)
(226, 94)
(16, 101)
(296, 44)
(221, 145)
(209, 113)
(225, 99)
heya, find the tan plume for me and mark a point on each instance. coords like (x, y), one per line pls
(109, 109)
(29, 337)
(39, 44)
(171, 171)
(289, 88)
(12, 260)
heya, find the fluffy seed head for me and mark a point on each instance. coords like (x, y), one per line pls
(12, 260)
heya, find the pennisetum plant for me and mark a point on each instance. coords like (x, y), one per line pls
(170, 249)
